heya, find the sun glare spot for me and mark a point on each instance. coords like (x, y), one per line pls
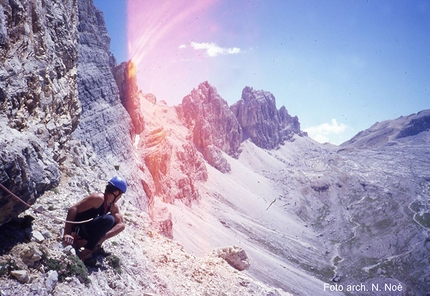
(154, 26)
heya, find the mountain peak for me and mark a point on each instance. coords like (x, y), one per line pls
(213, 126)
(262, 122)
(249, 94)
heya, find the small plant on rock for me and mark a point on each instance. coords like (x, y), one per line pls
(114, 262)
(66, 267)
(7, 266)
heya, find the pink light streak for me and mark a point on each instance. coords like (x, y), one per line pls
(157, 27)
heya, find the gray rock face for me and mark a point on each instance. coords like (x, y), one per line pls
(39, 106)
(26, 169)
(125, 77)
(38, 70)
(105, 123)
(47, 100)
(214, 127)
(418, 123)
(261, 122)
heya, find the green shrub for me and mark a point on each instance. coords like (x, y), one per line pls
(114, 262)
(7, 266)
(67, 267)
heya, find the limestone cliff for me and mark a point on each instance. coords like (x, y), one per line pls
(105, 125)
(170, 156)
(266, 126)
(60, 104)
(125, 77)
(213, 127)
(38, 50)
(39, 106)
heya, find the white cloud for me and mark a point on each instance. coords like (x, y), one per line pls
(213, 49)
(321, 133)
(182, 46)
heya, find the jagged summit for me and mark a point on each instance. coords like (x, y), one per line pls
(266, 126)
(213, 126)
(216, 127)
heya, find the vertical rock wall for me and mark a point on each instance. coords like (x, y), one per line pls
(38, 50)
(266, 126)
(213, 126)
(125, 77)
(58, 100)
(39, 106)
(105, 124)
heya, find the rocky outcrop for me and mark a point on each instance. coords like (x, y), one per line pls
(418, 123)
(59, 100)
(39, 106)
(235, 256)
(266, 126)
(38, 50)
(162, 220)
(104, 121)
(213, 126)
(174, 163)
(27, 169)
(125, 77)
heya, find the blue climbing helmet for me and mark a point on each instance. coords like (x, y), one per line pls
(119, 183)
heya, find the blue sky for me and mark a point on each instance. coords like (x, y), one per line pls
(340, 66)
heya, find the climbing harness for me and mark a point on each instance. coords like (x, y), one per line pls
(41, 212)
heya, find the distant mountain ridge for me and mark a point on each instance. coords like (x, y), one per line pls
(390, 131)
(216, 126)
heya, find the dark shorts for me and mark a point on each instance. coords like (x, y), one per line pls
(94, 230)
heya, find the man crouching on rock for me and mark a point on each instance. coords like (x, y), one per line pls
(105, 219)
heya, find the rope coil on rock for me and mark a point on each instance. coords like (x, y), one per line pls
(41, 212)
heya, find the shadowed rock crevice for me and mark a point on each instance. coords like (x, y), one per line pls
(16, 231)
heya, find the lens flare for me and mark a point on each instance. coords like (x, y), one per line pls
(154, 25)
(157, 32)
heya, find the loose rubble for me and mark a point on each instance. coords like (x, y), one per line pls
(139, 261)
